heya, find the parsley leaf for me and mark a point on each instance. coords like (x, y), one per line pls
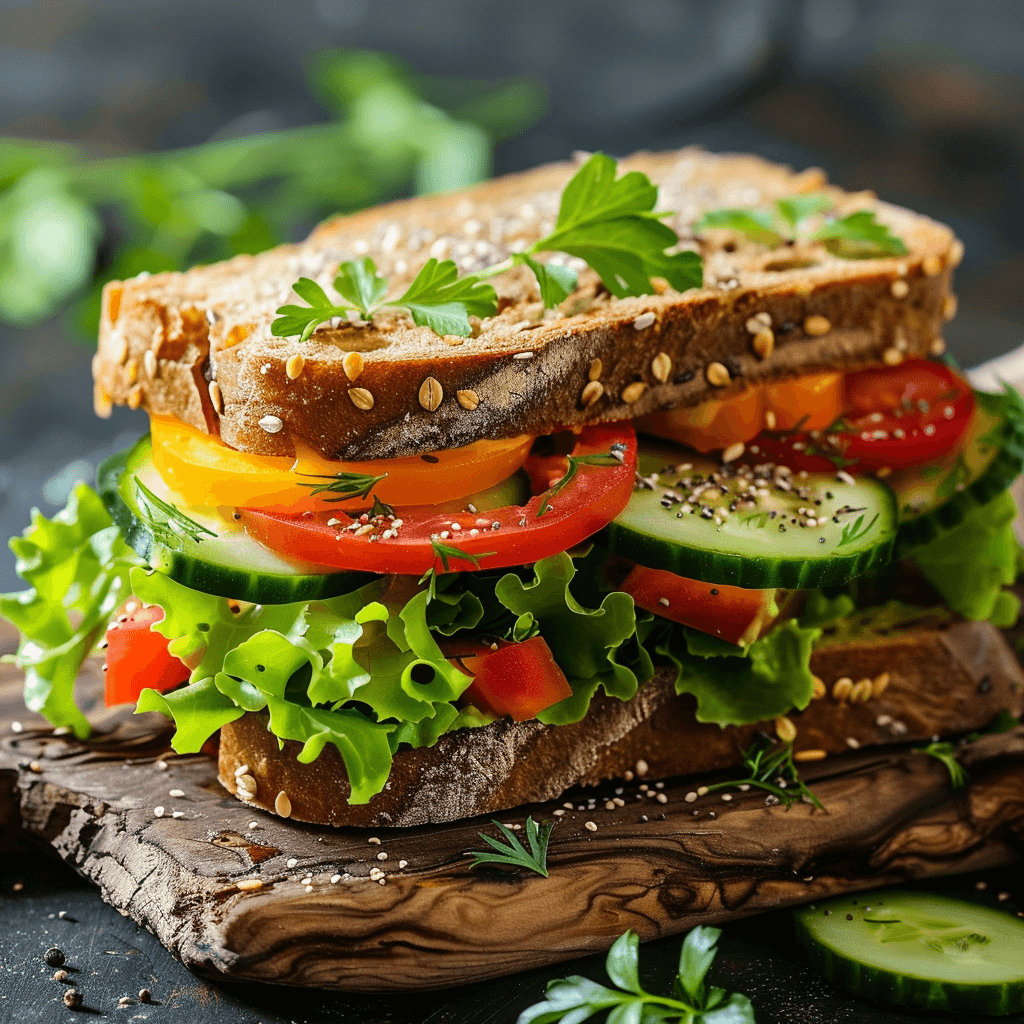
(859, 236)
(575, 999)
(439, 300)
(359, 282)
(610, 223)
(304, 320)
(556, 283)
(513, 852)
(946, 753)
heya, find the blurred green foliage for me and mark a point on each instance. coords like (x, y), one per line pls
(69, 222)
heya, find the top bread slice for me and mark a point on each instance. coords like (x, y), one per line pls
(198, 345)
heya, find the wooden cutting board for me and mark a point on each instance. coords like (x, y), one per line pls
(242, 895)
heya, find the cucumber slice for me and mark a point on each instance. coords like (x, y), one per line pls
(226, 561)
(938, 496)
(753, 528)
(918, 949)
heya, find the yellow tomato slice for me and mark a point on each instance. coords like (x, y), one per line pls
(711, 425)
(812, 401)
(205, 471)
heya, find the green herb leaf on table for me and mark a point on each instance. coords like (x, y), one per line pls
(512, 852)
(945, 753)
(575, 999)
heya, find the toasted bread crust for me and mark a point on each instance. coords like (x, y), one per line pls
(166, 338)
(941, 681)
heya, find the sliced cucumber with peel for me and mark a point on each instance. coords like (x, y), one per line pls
(225, 561)
(700, 519)
(918, 949)
(936, 497)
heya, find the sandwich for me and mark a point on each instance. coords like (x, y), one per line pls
(597, 472)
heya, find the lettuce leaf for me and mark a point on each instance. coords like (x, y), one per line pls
(970, 565)
(77, 566)
(770, 678)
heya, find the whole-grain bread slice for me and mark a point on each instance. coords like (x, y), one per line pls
(198, 345)
(924, 682)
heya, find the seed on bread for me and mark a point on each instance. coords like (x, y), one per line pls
(785, 729)
(899, 289)
(271, 424)
(931, 266)
(133, 371)
(237, 335)
(468, 399)
(592, 392)
(817, 325)
(283, 805)
(717, 374)
(596, 366)
(764, 342)
(661, 367)
(295, 365)
(949, 307)
(103, 404)
(842, 688)
(122, 350)
(937, 347)
(631, 392)
(134, 398)
(892, 356)
(431, 394)
(770, 419)
(149, 363)
(216, 397)
(361, 398)
(353, 364)
(644, 320)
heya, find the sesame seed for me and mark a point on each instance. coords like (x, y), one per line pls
(335, 879)
(239, 771)
(16, 727)
(373, 841)
(217, 397)
(176, 792)
(764, 343)
(248, 884)
(158, 811)
(522, 355)
(631, 392)
(590, 826)
(149, 363)
(162, 766)
(843, 477)
(271, 424)
(842, 688)
(661, 798)
(810, 755)
(291, 862)
(733, 452)
(726, 797)
(899, 289)
(817, 325)
(641, 768)
(852, 743)
(690, 797)
(382, 855)
(892, 357)
(644, 320)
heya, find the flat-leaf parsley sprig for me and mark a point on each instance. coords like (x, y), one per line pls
(858, 235)
(608, 222)
(576, 999)
(512, 852)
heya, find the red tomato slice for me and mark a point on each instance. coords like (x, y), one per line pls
(419, 538)
(137, 657)
(894, 418)
(732, 614)
(520, 680)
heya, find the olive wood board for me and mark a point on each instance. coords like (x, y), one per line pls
(658, 868)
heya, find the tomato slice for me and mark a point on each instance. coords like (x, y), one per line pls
(205, 471)
(893, 418)
(137, 657)
(417, 538)
(516, 679)
(811, 401)
(732, 614)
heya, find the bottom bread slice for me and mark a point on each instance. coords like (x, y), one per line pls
(941, 681)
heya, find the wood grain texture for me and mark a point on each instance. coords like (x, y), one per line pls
(657, 867)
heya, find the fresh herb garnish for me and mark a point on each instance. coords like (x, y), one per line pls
(174, 525)
(955, 479)
(444, 552)
(575, 461)
(854, 531)
(858, 235)
(607, 222)
(945, 752)
(513, 852)
(575, 999)
(773, 771)
(345, 485)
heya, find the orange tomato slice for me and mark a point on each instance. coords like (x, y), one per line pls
(205, 471)
(811, 401)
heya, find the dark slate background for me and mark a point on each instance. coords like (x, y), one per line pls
(921, 100)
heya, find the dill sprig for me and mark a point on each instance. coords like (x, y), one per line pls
(767, 768)
(613, 457)
(345, 485)
(174, 524)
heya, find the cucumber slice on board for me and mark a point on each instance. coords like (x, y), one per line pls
(752, 528)
(228, 564)
(918, 949)
(938, 496)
